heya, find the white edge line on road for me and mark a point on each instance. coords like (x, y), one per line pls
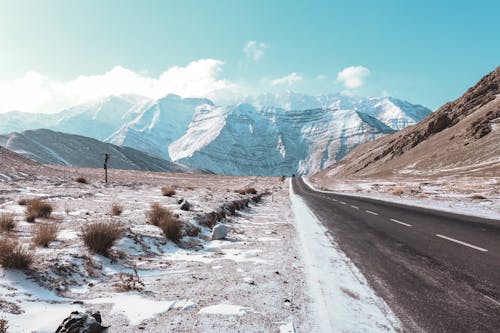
(462, 243)
(492, 299)
(370, 212)
(355, 207)
(405, 224)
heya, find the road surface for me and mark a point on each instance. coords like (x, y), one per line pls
(438, 271)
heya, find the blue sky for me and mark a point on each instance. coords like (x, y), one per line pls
(427, 52)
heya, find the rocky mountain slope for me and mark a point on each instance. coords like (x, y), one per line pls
(271, 141)
(270, 135)
(460, 138)
(49, 147)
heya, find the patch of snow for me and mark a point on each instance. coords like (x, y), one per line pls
(133, 306)
(225, 309)
(330, 272)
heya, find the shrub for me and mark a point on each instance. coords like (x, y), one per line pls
(3, 325)
(478, 197)
(81, 180)
(248, 190)
(116, 209)
(100, 236)
(38, 208)
(166, 220)
(45, 233)
(23, 202)
(14, 255)
(7, 222)
(167, 192)
(171, 227)
(397, 191)
(130, 282)
(156, 213)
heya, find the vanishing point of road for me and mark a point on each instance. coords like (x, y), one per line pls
(438, 271)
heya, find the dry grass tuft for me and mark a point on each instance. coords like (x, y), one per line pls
(156, 213)
(81, 180)
(167, 192)
(116, 209)
(247, 190)
(99, 237)
(7, 222)
(397, 191)
(14, 255)
(166, 220)
(130, 282)
(478, 197)
(23, 202)
(45, 233)
(38, 208)
(4, 325)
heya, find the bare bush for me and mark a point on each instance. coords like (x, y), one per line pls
(23, 202)
(167, 192)
(81, 180)
(4, 325)
(247, 190)
(38, 208)
(99, 237)
(14, 255)
(116, 209)
(130, 282)
(7, 222)
(478, 197)
(45, 233)
(172, 228)
(156, 213)
(166, 220)
(397, 191)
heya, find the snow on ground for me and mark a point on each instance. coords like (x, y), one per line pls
(343, 300)
(253, 280)
(468, 196)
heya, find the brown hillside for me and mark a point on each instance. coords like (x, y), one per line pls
(460, 138)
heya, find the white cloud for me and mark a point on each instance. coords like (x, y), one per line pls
(320, 77)
(353, 77)
(36, 93)
(288, 80)
(254, 50)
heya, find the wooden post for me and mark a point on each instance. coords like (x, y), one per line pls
(106, 158)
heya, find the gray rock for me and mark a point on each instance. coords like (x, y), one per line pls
(219, 231)
(82, 322)
(185, 205)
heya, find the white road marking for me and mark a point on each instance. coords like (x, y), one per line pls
(462, 243)
(370, 212)
(493, 300)
(355, 207)
(405, 224)
(343, 203)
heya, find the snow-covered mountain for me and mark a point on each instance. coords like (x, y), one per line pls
(269, 134)
(49, 147)
(272, 141)
(156, 125)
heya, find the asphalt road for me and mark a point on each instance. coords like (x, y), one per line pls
(438, 271)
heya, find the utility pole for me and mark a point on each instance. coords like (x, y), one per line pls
(106, 158)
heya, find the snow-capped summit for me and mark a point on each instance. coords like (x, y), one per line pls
(269, 134)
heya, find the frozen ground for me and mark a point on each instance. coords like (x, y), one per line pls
(251, 282)
(277, 271)
(476, 196)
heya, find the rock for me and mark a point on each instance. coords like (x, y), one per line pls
(185, 205)
(82, 322)
(219, 232)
